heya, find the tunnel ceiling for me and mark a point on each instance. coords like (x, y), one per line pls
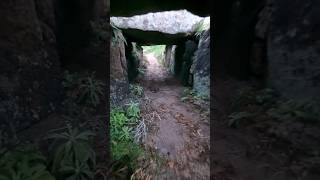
(158, 28)
(136, 7)
(153, 37)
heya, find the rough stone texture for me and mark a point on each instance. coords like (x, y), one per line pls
(170, 58)
(178, 58)
(201, 65)
(29, 72)
(134, 56)
(119, 84)
(171, 22)
(190, 48)
(158, 28)
(134, 7)
(293, 46)
(147, 38)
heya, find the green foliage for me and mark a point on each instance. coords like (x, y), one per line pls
(133, 111)
(73, 156)
(157, 50)
(235, 118)
(23, 164)
(117, 36)
(306, 110)
(265, 96)
(249, 96)
(190, 94)
(141, 71)
(136, 89)
(201, 26)
(83, 88)
(123, 149)
(118, 123)
(91, 90)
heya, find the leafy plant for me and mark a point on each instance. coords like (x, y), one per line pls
(141, 71)
(265, 96)
(307, 110)
(70, 79)
(136, 89)
(201, 26)
(72, 155)
(236, 117)
(26, 164)
(133, 110)
(190, 94)
(123, 148)
(91, 90)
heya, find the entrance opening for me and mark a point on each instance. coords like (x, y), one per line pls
(165, 113)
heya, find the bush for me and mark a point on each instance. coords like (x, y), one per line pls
(73, 157)
(23, 164)
(123, 148)
(91, 90)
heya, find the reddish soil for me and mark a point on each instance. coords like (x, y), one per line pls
(251, 152)
(180, 133)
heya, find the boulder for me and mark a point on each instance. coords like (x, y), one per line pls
(293, 51)
(134, 7)
(119, 84)
(158, 28)
(170, 58)
(30, 88)
(201, 65)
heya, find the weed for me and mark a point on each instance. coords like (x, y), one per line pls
(70, 79)
(133, 111)
(123, 148)
(190, 94)
(141, 71)
(72, 156)
(91, 90)
(307, 110)
(26, 164)
(235, 118)
(136, 89)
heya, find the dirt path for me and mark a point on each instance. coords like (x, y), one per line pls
(180, 133)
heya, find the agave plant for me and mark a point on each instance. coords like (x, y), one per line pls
(72, 152)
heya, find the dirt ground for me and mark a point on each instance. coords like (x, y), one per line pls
(253, 151)
(179, 133)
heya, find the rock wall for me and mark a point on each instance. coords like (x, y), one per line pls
(273, 41)
(201, 65)
(119, 83)
(190, 48)
(31, 46)
(30, 69)
(293, 46)
(170, 58)
(134, 56)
